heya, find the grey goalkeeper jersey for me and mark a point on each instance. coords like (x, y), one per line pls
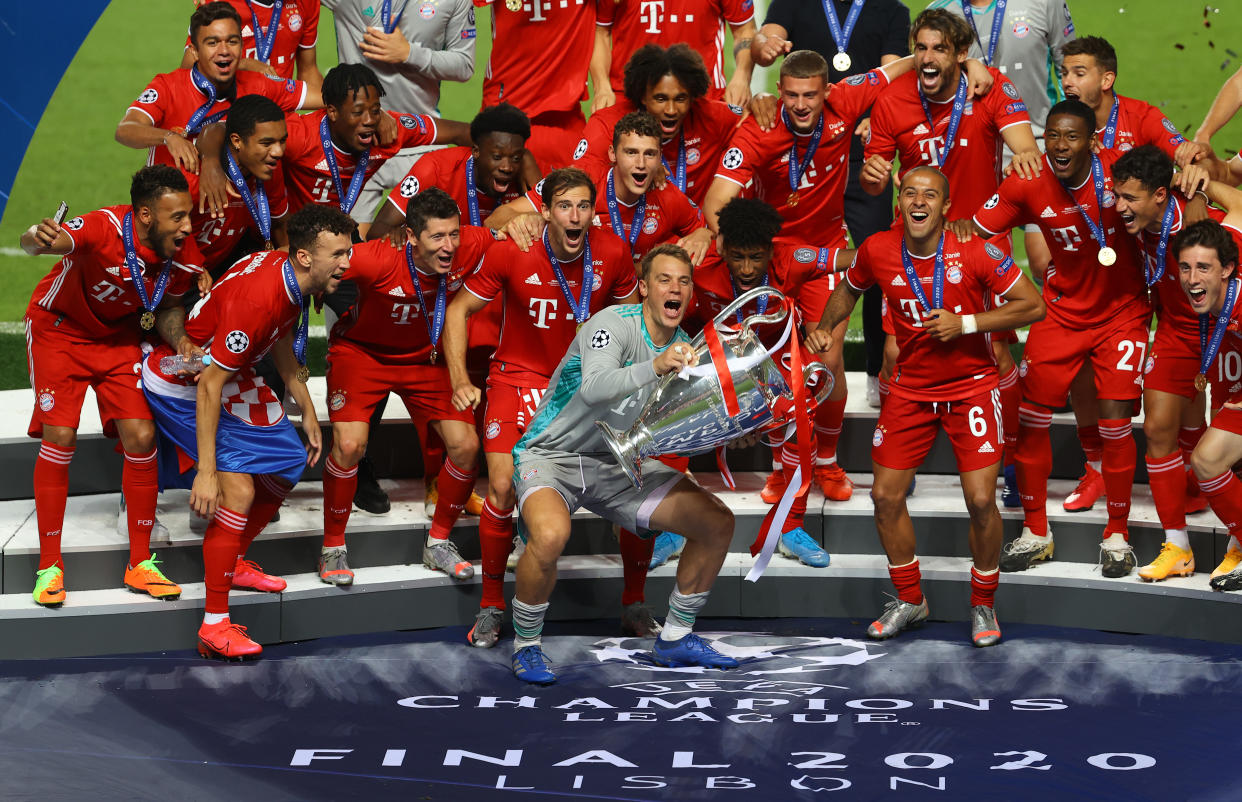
(607, 374)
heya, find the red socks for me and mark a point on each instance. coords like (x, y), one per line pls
(1224, 493)
(454, 488)
(983, 587)
(1011, 399)
(1034, 463)
(828, 420)
(635, 557)
(51, 489)
(907, 579)
(1120, 454)
(268, 495)
(1092, 444)
(140, 482)
(495, 542)
(1167, 477)
(339, 486)
(221, 545)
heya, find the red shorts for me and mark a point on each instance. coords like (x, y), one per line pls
(907, 429)
(1173, 364)
(358, 381)
(813, 296)
(1228, 420)
(510, 410)
(62, 366)
(553, 138)
(1115, 349)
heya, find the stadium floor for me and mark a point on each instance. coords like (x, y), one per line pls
(815, 708)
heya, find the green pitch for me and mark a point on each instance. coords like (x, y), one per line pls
(1168, 56)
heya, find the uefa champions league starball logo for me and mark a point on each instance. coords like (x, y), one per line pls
(761, 655)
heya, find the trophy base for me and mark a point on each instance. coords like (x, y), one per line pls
(618, 445)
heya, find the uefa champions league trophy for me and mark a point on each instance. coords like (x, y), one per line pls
(696, 410)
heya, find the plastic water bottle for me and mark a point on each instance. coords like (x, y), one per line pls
(173, 364)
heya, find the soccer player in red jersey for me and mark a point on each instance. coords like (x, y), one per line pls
(1173, 405)
(542, 52)
(389, 341)
(479, 178)
(1207, 256)
(173, 110)
(277, 35)
(124, 271)
(331, 153)
(1097, 312)
(627, 200)
(694, 131)
(544, 300)
(940, 290)
(631, 24)
(256, 134)
(227, 425)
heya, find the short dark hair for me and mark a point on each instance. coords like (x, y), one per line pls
(502, 118)
(149, 183)
(306, 224)
(1097, 47)
(664, 249)
(748, 223)
(248, 111)
(1147, 164)
(344, 80)
(636, 122)
(1074, 108)
(208, 13)
(650, 63)
(432, 203)
(926, 168)
(804, 64)
(955, 30)
(1208, 234)
(559, 180)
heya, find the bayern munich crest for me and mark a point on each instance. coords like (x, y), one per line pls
(526, 475)
(954, 274)
(692, 155)
(877, 439)
(1023, 368)
(1150, 365)
(47, 400)
(493, 430)
(337, 401)
(650, 225)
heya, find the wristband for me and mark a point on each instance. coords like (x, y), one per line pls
(969, 324)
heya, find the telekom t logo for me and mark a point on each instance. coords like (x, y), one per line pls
(543, 310)
(650, 12)
(1068, 237)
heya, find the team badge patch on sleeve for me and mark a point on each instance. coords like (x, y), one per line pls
(149, 96)
(581, 150)
(75, 223)
(600, 339)
(409, 187)
(993, 251)
(804, 255)
(237, 341)
(732, 159)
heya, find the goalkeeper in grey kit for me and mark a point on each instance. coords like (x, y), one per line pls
(562, 463)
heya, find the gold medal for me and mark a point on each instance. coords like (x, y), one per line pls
(303, 374)
(792, 200)
(513, 5)
(1107, 256)
(1200, 382)
(433, 354)
(147, 320)
(841, 61)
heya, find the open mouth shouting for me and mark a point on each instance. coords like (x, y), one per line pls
(669, 126)
(574, 238)
(1198, 299)
(929, 78)
(672, 310)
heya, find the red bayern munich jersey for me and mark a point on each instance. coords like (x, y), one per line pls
(446, 169)
(298, 30)
(541, 54)
(928, 370)
(307, 176)
(1226, 374)
(1172, 305)
(238, 321)
(699, 24)
(669, 215)
(1140, 123)
(706, 130)
(792, 267)
(171, 99)
(899, 127)
(819, 215)
(538, 321)
(217, 238)
(386, 320)
(1079, 291)
(90, 287)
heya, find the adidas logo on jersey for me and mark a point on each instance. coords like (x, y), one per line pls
(986, 448)
(397, 292)
(920, 130)
(1047, 212)
(898, 281)
(533, 279)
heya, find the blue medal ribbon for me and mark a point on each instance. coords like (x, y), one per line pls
(581, 306)
(1097, 178)
(677, 175)
(841, 34)
(263, 40)
(1156, 272)
(149, 302)
(356, 181)
(998, 19)
(1110, 128)
(200, 119)
(614, 213)
(256, 202)
(798, 168)
(386, 18)
(472, 195)
(299, 339)
(435, 324)
(1209, 349)
(916, 286)
(955, 120)
(761, 303)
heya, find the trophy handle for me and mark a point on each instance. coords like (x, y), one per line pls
(775, 316)
(829, 381)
